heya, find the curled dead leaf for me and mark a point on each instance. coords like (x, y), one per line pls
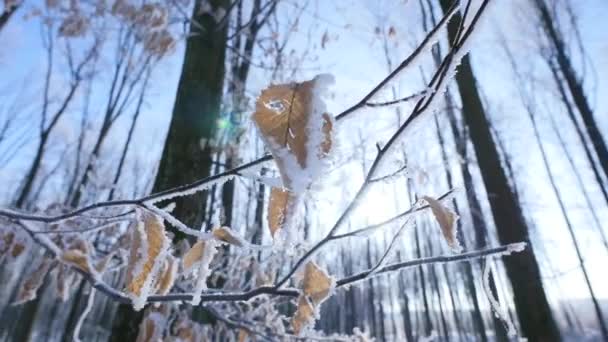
(194, 254)
(78, 259)
(447, 222)
(226, 234)
(168, 275)
(148, 250)
(280, 207)
(316, 283)
(296, 128)
(303, 316)
(32, 283)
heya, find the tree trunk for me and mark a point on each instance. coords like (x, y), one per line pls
(531, 303)
(187, 154)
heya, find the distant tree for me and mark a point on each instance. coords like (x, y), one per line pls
(531, 303)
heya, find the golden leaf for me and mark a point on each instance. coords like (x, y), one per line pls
(447, 221)
(316, 283)
(225, 234)
(77, 258)
(169, 273)
(284, 115)
(149, 234)
(279, 205)
(194, 254)
(303, 316)
(30, 286)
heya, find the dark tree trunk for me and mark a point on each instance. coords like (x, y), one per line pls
(531, 303)
(187, 154)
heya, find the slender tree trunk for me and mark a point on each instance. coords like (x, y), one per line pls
(531, 303)
(371, 303)
(125, 149)
(562, 206)
(428, 326)
(187, 154)
(580, 183)
(574, 85)
(435, 283)
(579, 131)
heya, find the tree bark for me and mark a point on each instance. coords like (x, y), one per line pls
(531, 303)
(187, 154)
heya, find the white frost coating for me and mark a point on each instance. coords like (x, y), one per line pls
(431, 106)
(43, 239)
(499, 311)
(516, 247)
(139, 301)
(142, 252)
(191, 191)
(274, 182)
(296, 178)
(83, 316)
(177, 223)
(200, 285)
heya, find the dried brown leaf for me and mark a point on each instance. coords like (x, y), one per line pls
(226, 234)
(32, 283)
(149, 234)
(194, 254)
(284, 116)
(447, 221)
(316, 283)
(279, 207)
(303, 316)
(77, 258)
(168, 275)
